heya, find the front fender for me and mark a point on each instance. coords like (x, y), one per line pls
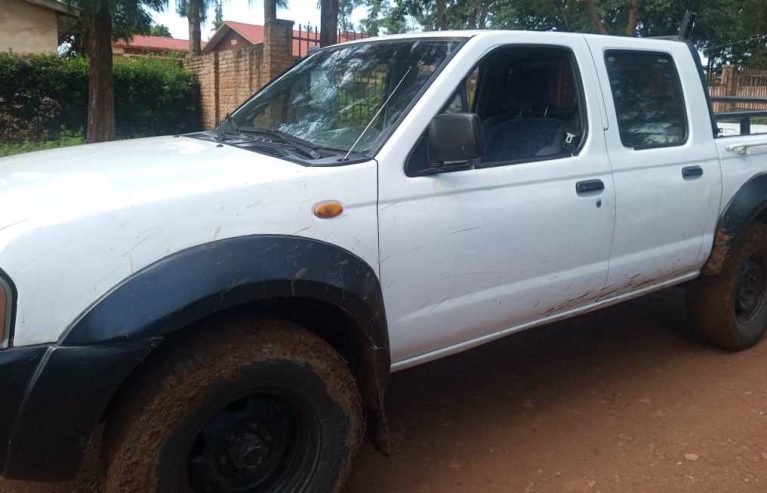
(194, 283)
(62, 389)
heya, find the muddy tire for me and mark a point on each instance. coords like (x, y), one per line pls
(244, 406)
(730, 309)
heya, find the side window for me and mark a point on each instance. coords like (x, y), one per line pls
(647, 93)
(529, 102)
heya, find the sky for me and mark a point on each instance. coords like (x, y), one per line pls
(299, 11)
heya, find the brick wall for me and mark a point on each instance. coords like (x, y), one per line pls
(228, 78)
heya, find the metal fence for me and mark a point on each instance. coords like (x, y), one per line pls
(308, 37)
(738, 83)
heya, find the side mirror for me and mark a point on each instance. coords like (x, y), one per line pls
(455, 138)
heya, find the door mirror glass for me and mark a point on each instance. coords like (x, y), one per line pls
(455, 138)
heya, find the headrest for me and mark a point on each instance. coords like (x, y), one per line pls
(529, 92)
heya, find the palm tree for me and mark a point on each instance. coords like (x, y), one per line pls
(328, 22)
(195, 11)
(270, 10)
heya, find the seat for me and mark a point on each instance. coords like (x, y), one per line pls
(523, 138)
(524, 131)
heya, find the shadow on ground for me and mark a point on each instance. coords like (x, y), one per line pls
(625, 399)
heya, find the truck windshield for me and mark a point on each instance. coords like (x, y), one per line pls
(333, 99)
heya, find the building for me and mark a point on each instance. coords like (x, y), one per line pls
(158, 46)
(236, 35)
(35, 26)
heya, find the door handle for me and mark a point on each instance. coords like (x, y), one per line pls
(692, 172)
(589, 186)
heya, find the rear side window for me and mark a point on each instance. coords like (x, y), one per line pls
(648, 99)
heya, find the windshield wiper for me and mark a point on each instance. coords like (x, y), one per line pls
(220, 134)
(307, 147)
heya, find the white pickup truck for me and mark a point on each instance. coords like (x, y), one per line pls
(231, 303)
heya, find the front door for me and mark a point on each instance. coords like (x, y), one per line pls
(520, 236)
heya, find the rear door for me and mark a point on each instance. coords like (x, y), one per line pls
(666, 169)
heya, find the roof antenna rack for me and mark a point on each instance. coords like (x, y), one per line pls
(685, 28)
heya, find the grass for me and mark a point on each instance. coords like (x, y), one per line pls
(65, 139)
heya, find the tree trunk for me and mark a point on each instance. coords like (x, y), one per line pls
(328, 22)
(101, 103)
(193, 17)
(595, 18)
(486, 4)
(473, 14)
(270, 10)
(441, 15)
(631, 26)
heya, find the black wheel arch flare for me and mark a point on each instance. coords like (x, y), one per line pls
(98, 352)
(745, 207)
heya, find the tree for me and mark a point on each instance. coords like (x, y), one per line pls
(195, 12)
(328, 22)
(101, 104)
(103, 21)
(270, 10)
(218, 19)
(391, 17)
(160, 30)
(727, 31)
(438, 15)
(345, 8)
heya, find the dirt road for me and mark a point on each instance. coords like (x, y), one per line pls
(621, 400)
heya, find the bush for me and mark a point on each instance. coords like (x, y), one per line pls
(65, 139)
(42, 94)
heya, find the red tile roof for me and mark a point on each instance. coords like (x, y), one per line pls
(255, 35)
(154, 43)
(252, 32)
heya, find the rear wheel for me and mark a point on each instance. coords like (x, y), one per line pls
(730, 309)
(248, 407)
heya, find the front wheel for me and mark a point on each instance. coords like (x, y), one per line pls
(730, 309)
(249, 407)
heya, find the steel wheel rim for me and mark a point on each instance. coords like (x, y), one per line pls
(749, 290)
(260, 442)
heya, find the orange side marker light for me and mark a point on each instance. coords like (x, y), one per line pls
(326, 210)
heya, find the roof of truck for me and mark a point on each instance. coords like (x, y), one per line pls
(491, 32)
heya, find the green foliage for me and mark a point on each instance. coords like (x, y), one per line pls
(218, 18)
(128, 16)
(65, 139)
(154, 97)
(41, 94)
(183, 8)
(727, 31)
(160, 30)
(384, 17)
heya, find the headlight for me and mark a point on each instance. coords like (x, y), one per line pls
(6, 313)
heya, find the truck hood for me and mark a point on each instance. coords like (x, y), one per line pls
(62, 183)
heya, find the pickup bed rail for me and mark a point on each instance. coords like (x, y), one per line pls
(744, 116)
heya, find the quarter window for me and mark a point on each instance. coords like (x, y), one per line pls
(647, 93)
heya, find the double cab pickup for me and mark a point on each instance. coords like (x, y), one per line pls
(227, 305)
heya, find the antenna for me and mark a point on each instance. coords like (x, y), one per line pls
(391, 94)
